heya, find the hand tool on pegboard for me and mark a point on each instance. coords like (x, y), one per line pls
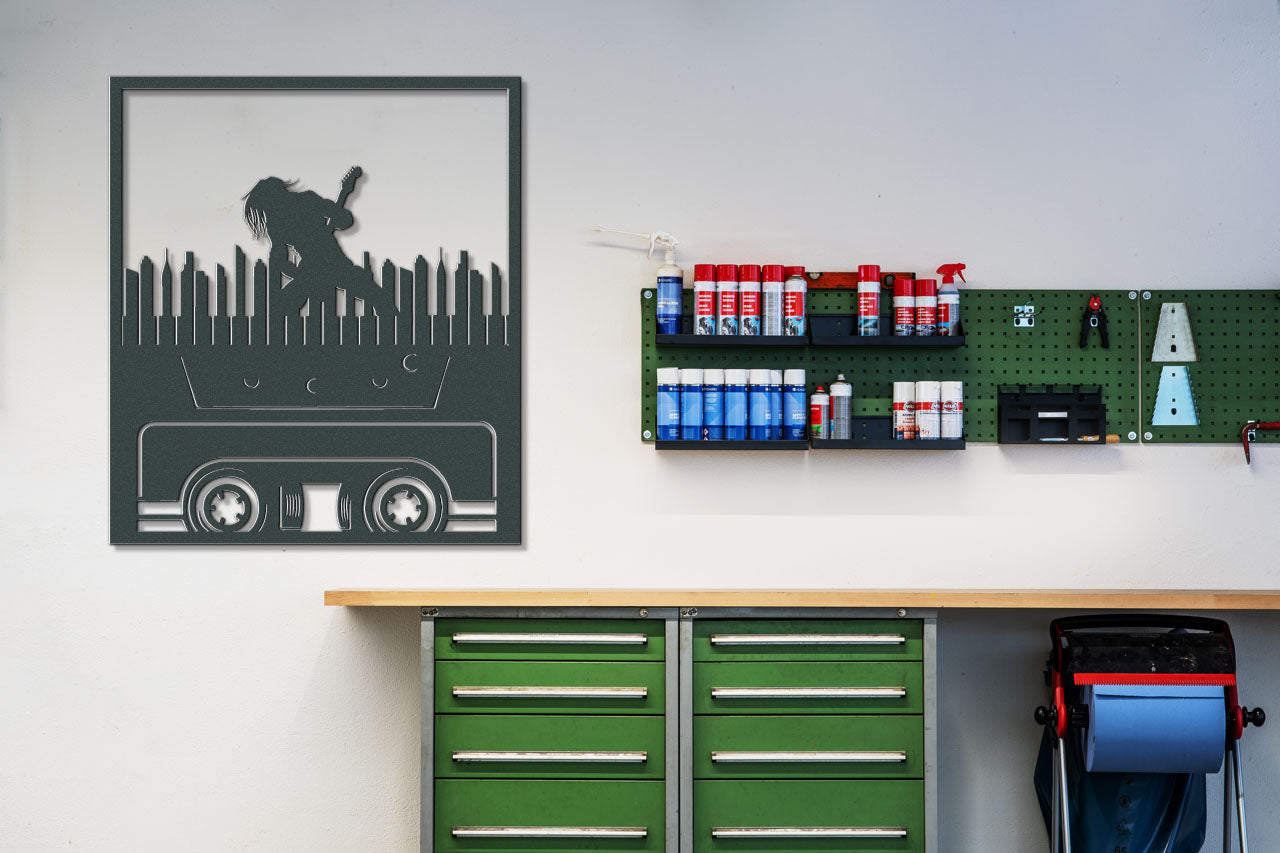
(1250, 432)
(1094, 318)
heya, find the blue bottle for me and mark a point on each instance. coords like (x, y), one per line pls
(759, 410)
(735, 405)
(713, 403)
(795, 415)
(691, 404)
(668, 403)
(775, 404)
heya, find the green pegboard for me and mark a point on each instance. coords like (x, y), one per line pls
(996, 353)
(1236, 375)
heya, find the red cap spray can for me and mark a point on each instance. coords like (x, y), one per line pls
(794, 290)
(904, 307)
(749, 299)
(727, 298)
(704, 299)
(926, 306)
(868, 300)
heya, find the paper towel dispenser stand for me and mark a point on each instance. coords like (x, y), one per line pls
(1094, 650)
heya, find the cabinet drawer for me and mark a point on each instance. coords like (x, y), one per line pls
(801, 816)
(514, 815)
(808, 639)
(549, 747)
(550, 639)
(849, 746)
(550, 687)
(808, 687)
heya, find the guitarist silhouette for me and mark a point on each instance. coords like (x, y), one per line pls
(305, 222)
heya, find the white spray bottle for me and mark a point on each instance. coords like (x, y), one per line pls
(670, 277)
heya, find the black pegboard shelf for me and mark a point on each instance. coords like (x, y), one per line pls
(731, 445)
(887, 444)
(886, 341)
(722, 341)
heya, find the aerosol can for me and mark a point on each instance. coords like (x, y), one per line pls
(670, 282)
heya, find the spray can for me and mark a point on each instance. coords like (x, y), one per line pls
(758, 408)
(727, 298)
(868, 300)
(771, 296)
(793, 410)
(775, 404)
(928, 410)
(926, 306)
(668, 403)
(749, 299)
(691, 404)
(841, 408)
(735, 404)
(820, 414)
(793, 293)
(704, 299)
(949, 300)
(904, 410)
(713, 403)
(952, 394)
(904, 307)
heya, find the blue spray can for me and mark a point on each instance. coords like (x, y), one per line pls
(713, 403)
(691, 404)
(735, 404)
(759, 411)
(795, 414)
(775, 404)
(668, 403)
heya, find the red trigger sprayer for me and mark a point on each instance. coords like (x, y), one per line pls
(949, 300)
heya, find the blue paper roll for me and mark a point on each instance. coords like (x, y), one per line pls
(1145, 729)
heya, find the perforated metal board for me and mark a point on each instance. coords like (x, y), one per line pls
(997, 353)
(1236, 376)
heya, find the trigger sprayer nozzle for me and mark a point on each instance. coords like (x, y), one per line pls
(656, 238)
(950, 271)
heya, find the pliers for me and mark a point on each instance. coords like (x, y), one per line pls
(1095, 317)
(1249, 433)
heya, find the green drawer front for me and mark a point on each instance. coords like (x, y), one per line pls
(580, 747)
(839, 747)
(592, 804)
(808, 639)
(550, 639)
(813, 676)
(567, 679)
(840, 804)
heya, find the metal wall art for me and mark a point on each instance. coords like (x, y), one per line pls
(289, 388)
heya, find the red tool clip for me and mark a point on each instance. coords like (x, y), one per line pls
(1247, 434)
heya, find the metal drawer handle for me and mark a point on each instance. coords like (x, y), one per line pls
(550, 832)
(807, 639)
(551, 692)
(820, 757)
(560, 639)
(808, 692)
(809, 832)
(611, 757)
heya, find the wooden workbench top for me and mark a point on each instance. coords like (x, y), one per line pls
(1100, 599)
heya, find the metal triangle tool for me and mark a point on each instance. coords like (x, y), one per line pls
(1174, 404)
(1174, 342)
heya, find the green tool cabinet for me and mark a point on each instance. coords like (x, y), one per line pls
(664, 730)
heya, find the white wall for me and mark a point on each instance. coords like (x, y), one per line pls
(162, 698)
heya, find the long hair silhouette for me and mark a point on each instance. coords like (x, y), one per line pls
(305, 222)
